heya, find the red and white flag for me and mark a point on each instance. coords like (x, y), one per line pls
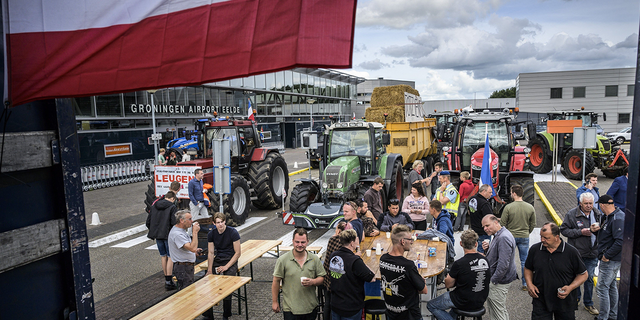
(251, 116)
(67, 48)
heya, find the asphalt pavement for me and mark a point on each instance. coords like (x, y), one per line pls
(126, 266)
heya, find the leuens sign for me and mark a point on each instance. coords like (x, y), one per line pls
(165, 175)
(141, 108)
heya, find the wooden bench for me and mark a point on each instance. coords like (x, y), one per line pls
(197, 298)
(314, 249)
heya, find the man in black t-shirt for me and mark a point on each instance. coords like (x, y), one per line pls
(401, 282)
(553, 271)
(479, 206)
(470, 275)
(224, 252)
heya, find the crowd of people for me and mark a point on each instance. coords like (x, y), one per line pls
(551, 271)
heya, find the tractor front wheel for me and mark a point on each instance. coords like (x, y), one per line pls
(527, 186)
(302, 196)
(539, 161)
(573, 165)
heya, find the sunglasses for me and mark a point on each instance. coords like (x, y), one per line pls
(394, 202)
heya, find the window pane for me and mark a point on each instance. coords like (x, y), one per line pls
(624, 117)
(109, 105)
(260, 81)
(630, 89)
(83, 106)
(271, 81)
(288, 80)
(579, 92)
(611, 91)
(556, 93)
(249, 82)
(280, 81)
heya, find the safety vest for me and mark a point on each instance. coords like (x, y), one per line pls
(452, 207)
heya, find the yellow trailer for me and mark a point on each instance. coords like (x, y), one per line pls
(414, 141)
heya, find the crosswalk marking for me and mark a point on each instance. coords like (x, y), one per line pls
(117, 236)
(132, 242)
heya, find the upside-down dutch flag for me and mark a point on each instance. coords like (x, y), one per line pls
(71, 48)
(485, 173)
(250, 116)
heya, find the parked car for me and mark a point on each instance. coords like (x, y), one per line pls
(621, 136)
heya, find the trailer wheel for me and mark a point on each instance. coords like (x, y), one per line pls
(396, 187)
(539, 162)
(573, 165)
(527, 186)
(268, 178)
(302, 196)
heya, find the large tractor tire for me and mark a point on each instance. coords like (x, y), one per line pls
(539, 161)
(396, 185)
(268, 178)
(238, 203)
(573, 166)
(302, 196)
(527, 186)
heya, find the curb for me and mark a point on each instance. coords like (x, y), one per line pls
(547, 204)
(299, 171)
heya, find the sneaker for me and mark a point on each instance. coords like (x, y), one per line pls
(169, 285)
(592, 310)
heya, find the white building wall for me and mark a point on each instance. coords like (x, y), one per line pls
(533, 93)
(477, 104)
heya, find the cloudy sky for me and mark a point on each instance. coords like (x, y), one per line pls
(455, 49)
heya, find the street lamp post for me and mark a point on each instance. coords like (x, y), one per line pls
(153, 122)
(311, 101)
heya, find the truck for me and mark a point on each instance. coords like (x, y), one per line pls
(414, 141)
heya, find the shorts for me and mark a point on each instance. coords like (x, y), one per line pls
(163, 247)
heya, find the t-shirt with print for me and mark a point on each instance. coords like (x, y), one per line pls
(472, 281)
(223, 242)
(401, 284)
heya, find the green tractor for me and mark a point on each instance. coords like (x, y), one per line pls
(611, 160)
(355, 155)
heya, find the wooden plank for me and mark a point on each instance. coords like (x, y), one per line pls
(195, 299)
(34, 150)
(251, 250)
(435, 265)
(25, 245)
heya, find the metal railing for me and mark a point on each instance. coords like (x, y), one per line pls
(115, 174)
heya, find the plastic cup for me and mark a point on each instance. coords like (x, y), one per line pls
(368, 252)
(560, 290)
(302, 279)
(388, 235)
(596, 224)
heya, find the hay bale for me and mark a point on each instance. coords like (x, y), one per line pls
(391, 95)
(376, 114)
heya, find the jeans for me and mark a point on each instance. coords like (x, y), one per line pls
(497, 301)
(184, 275)
(439, 305)
(232, 271)
(461, 218)
(588, 285)
(523, 249)
(335, 316)
(607, 289)
(480, 239)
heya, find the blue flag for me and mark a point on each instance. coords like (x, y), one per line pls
(485, 173)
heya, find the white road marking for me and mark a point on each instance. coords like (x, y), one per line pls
(539, 177)
(323, 241)
(132, 242)
(287, 240)
(249, 222)
(117, 236)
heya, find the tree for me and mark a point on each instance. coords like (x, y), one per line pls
(504, 93)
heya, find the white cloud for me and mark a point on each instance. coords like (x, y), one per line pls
(362, 74)
(373, 65)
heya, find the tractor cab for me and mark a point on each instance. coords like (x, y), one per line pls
(242, 137)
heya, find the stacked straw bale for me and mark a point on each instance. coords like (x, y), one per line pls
(388, 100)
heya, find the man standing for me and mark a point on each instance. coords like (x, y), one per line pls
(590, 186)
(183, 248)
(553, 270)
(224, 252)
(300, 272)
(618, 190)
(479, 207)
(348, 274)
(159, 222)
(175, 187)
(437, 168)
(448, 194)
(610, 255)
(162, 161)
(470, 277)
(394, 217)
(575, 227)
(501, 254)
(351, 217)
(441, 219)
(197, 203)
(519, 217)
(373, 198)
(401, 282)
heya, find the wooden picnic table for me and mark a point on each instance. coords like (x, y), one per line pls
(435, 265)
(251, 250)
(196, 298)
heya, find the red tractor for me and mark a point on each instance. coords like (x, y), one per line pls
(258, 174)
(508, 161)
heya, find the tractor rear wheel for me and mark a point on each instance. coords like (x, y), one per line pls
(396, 187)
(527, 186)
(237, 204)
(573, 166)
(302, 196)
(539, 161)
(269, 178)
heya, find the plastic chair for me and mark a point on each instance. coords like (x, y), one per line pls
(374, 307)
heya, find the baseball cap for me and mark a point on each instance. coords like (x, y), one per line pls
(445, 173)
(606, 199)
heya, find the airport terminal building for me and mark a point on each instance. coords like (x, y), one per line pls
(284, 101)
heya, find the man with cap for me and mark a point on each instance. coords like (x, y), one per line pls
(610, 255)
(448, 194)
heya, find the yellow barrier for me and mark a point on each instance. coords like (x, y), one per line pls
(547, 204)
